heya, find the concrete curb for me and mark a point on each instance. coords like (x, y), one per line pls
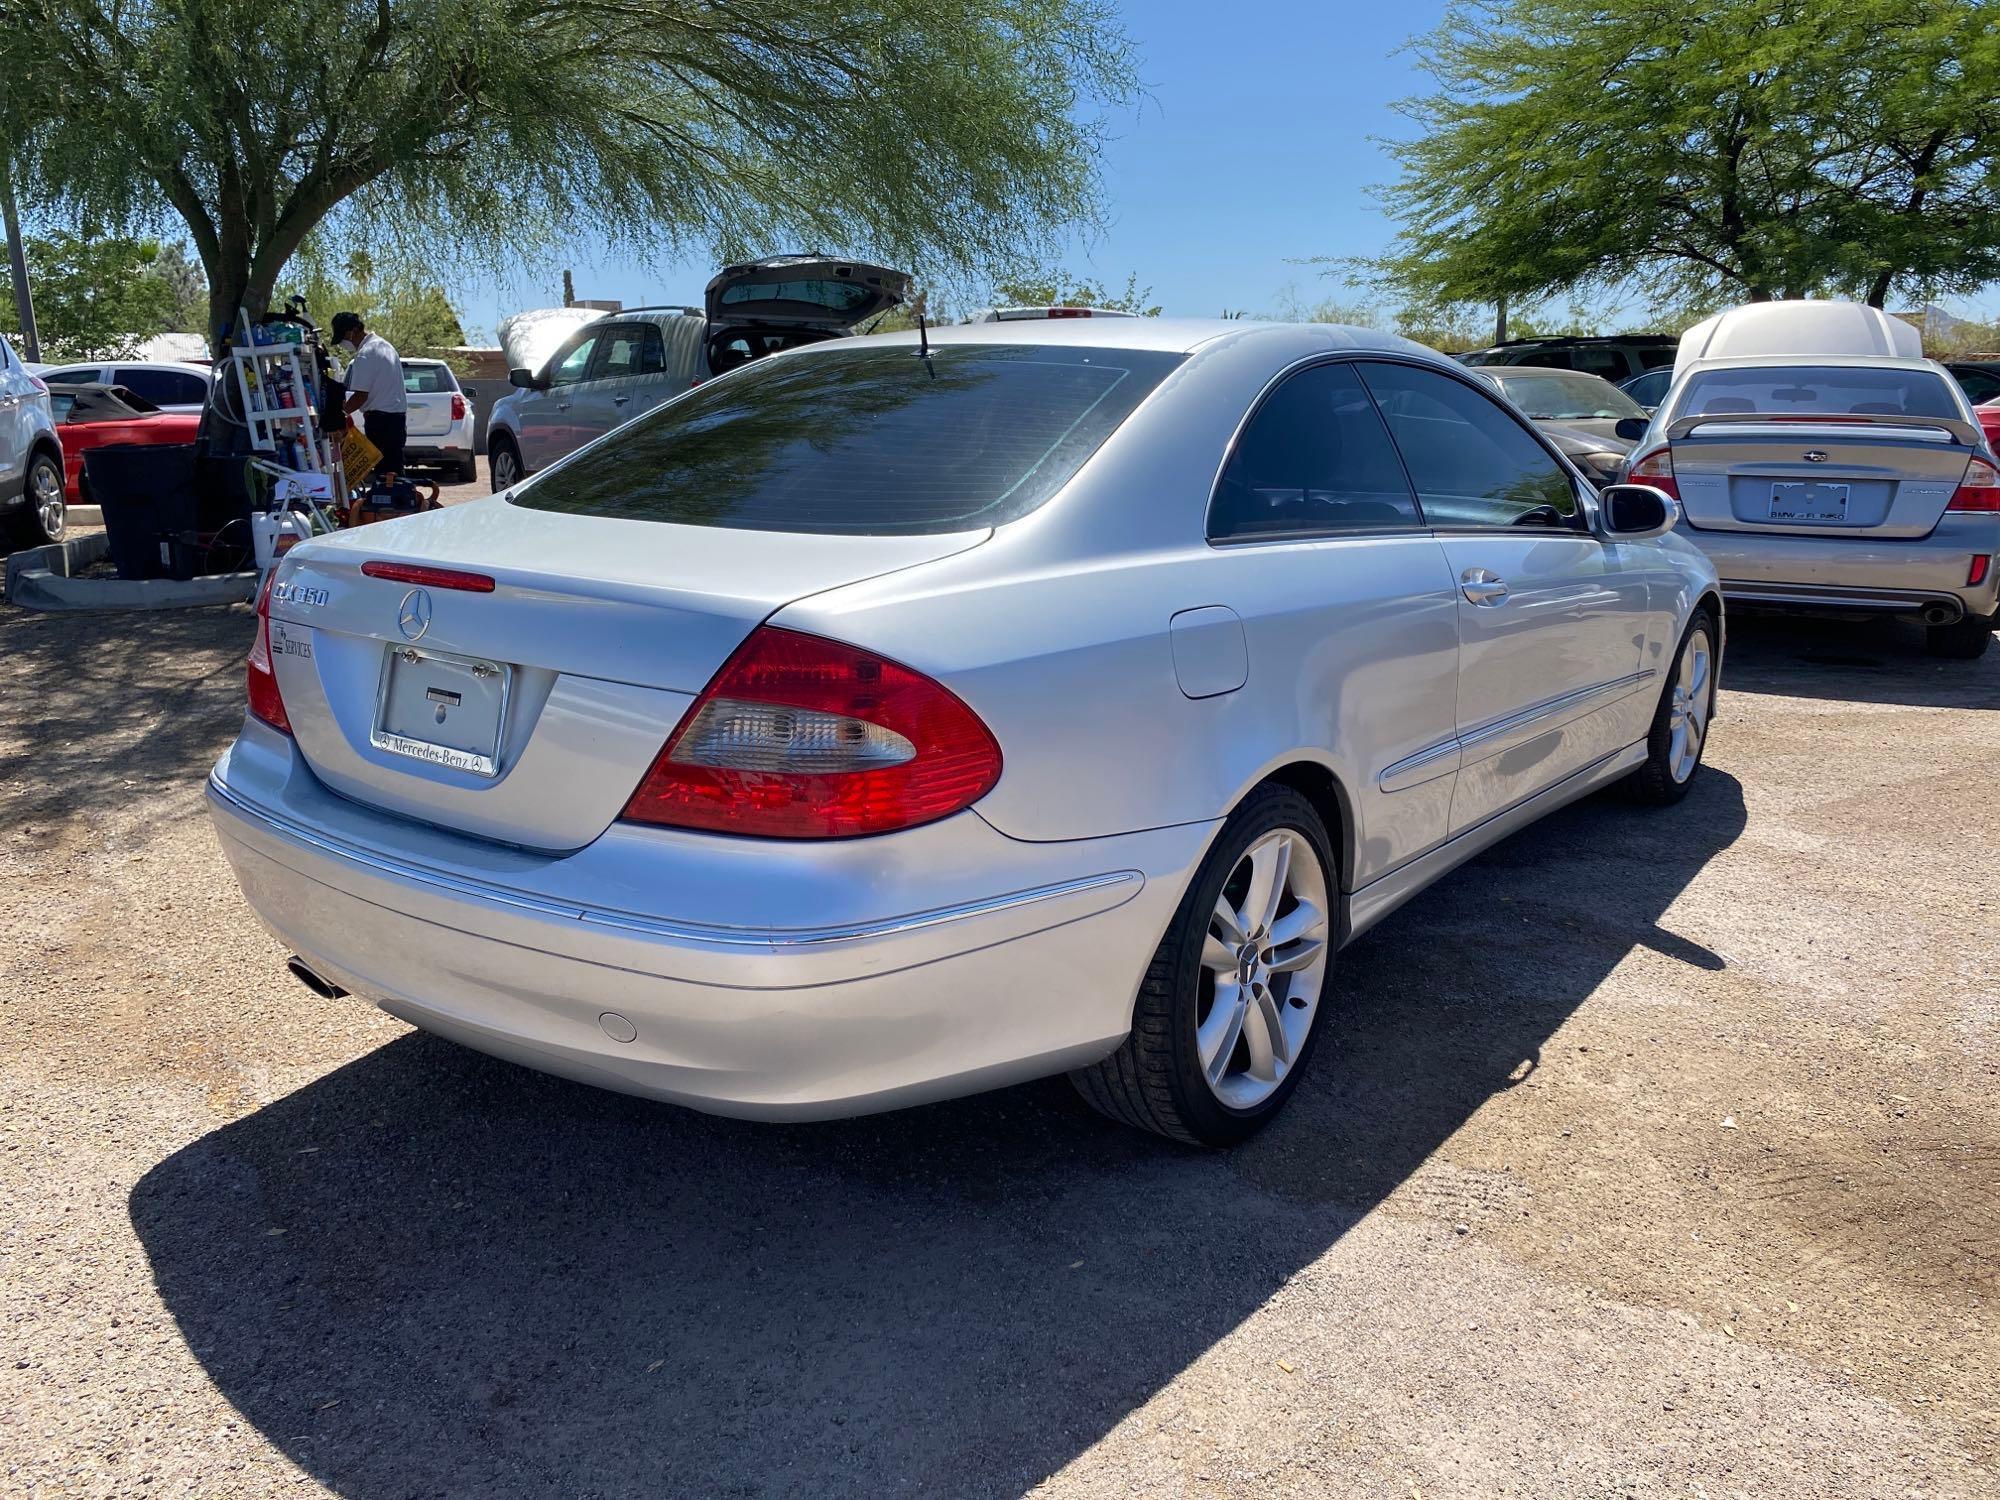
(42, 578)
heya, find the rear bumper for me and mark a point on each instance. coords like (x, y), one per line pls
(1891, 576)
(436, 451)
(944, 960)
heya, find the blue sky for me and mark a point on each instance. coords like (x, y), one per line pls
(1253, 149)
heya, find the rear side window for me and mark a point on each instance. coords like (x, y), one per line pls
(1831, 390)
(162, 387)
(868, 441)
(1473, 464)
(1980, 386)
(427, 380)
(86, 376)
(1314, 458)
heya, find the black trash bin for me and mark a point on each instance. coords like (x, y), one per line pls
(150, 517)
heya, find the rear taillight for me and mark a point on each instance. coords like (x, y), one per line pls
(266, 702)
(458, 408)
(1657, 469)
(429, 578)
(1979, 490)
(39, 384)
(804, 738)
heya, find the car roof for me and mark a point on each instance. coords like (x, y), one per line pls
(1168, 335)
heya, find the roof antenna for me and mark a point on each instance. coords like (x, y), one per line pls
(924, 334)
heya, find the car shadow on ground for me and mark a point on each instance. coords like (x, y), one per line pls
(432, 1273)
(1861, 661)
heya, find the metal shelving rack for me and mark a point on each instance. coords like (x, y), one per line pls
(265, 375)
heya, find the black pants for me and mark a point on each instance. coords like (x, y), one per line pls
(389, 431)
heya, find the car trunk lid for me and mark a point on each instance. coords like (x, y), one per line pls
(1860, 475)
(802, 291)
(512, 672)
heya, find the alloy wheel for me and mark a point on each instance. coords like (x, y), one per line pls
(505, 469)
(1687, 719)
(1263, 961)
(46, 495)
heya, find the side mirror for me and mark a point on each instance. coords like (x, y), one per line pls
(1631, 428)
(525, 379)
(1633, 512)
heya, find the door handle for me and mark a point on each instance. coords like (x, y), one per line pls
(562, 406)
(1482, 587)
(620, 400)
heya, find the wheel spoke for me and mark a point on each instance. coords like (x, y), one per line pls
(1302, 921)
(1264, 1030)
(1300, 955)
(1217, 956)
(1229, 923)
(1215, 1042)
(1700, 683)
(1270, 863)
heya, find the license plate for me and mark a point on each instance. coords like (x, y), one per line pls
(1809, 502)
(443, 709)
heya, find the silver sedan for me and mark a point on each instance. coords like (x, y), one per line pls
(891, 720)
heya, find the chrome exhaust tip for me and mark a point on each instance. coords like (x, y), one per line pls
(1937, 612)
(326, 989)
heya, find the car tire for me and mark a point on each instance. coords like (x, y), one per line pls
(45, 514)
(1685, 712)
(503, 463)
(1962, 640)
(467, 469)
(1157, 1079)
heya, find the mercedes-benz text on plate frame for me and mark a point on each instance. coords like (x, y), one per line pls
(695, 767)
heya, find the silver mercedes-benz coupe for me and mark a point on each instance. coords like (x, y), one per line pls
(889, 720)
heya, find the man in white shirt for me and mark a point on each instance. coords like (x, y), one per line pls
(375, 389)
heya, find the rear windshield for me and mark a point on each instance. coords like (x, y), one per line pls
(1566, 396)
(1834, 390)
(838, 296)
(427, 380)
(869, 440)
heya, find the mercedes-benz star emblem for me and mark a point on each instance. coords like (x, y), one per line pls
(414, 617)
(1814, 456)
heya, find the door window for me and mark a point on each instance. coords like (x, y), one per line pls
(163, 387)
(1314, 458)
(652, 351)
(619, 352)
(1472, 463)
(571, 365)
(86, 376)
(1980, 386)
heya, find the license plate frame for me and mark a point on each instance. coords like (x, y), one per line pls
(1810, 501)
(422, 691)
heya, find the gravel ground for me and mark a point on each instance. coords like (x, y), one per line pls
(1654, 1154)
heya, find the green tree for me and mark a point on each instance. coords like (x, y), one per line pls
(412, 313)
(950, 136)
(1739, 150)
(1036, 285)
(95, 295)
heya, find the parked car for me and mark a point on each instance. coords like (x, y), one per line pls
(1647, 391)
(1830, 482)
(625, 363)
(1580, 413)
(105, 416)
(31, 456)
(1615, 357)
(168, 385)
(1978, 378)
(1988, 417)
(440, 418)
(861, 728)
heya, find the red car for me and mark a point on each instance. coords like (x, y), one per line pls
(99, 416)
(1989, 422)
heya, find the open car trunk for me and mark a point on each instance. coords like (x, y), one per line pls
(802, 292)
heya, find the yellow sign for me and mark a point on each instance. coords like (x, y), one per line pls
(358, 457)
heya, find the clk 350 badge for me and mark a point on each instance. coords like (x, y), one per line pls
(299, 593)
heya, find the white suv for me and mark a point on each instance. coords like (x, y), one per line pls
(625, 363)
(31, 463)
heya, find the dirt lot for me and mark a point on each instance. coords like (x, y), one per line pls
(1655, 1154)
